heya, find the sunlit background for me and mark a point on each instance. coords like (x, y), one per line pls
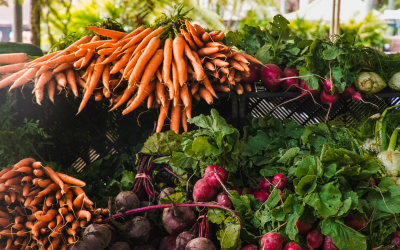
(375, 22)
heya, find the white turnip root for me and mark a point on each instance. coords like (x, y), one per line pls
(200, 243)
(97, 236)
(183, 239)
(167, 243)
(328, 244)
(315, 239)
(292, 73)
(203, 192)
(303, 227)
(254, 73)
(280, 181)
(266, 184)
(250, 247)
(126, 200)
(120, 246)
(270, 75)
(351, 221)
(330, 100)
(223, 199)
(292, 246)
(262, 195)
(178, 219)
(215, 176)
(272, 241)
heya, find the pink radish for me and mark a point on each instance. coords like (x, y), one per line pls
(254, 76)
(328, 86)
(328, 244)
(372, 182)
(250, 247)
(215, 176)
(203, 192)
(315, 239)
(262, 195)
(395, 238)
(303, 227)
(351, 221)
(223, 199)
(330, 100)
(292, 246)
(348, 91)
(290, 72)
(272, 241)
(265, 184)
(280, 181)
(270, 75)
(356, 96)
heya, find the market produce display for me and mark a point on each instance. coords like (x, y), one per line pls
(43, 209)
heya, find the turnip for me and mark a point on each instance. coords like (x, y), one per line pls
(126, 200)
(136, 229)
(97, 236)
(166, 192)
(315, 239)
(215, 176)
(203, 192)
(254, 73)
(121, 246)
(303, 227)
(178, 219)
(292, 74)
(200, 243)
(328, 244)
(280, 181)
(395, 238)
(369, 83)
(272, 241)
(328, 86)
(250, 247)
(348, 90)
(167, 243)
(330, 100)
(351, 221)
(143, 247)
(292, 246)
(223, 199)
(151, 214)
(183, 239)
(270, 75)
(262, 195)
(266, 184)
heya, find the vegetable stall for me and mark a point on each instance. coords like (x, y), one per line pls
(197, 181)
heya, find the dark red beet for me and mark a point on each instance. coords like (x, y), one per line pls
(126, 200)
(262, 195)
(280, 181)
(292, 246)
(202, 192)
(254, 73)
(142, 247)
(315, 239)
(223, 199)
(250, 247)
(265, 184)
(183, 239)
(123, 246)
(328, 244)
(178, 219)
(211, 173)
(167, 243)
(200, 243)
(303, 227)
(351, 221)
(272, 241)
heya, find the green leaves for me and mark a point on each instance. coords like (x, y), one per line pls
(162, 143)
(325, 200)
(344, 237)
(306, 185)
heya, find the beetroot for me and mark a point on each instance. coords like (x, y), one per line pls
(80, 245)
(223, 199)
(212, 173)
(183, 239)
(126, 200)
(250, 247)
(254, 73)
(151, 214)
(143, 247)
(280, 181)
(304, 248)
(200, 243)
(288, 83)
(328, 244)
(292, 246)
(262, 195)
(202, 192)
(136, 229)
(270, 75)
(166, 191)
(97, 236)
(315, 239)
(395, 238)
(178, 219)
(266, 184)
(167, 243)
(351, 221)
(303, 227)
(121, 246)
(273, 241)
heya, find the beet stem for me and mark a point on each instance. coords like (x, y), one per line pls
(169, 171)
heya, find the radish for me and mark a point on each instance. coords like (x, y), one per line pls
(328, 244)
(270, 75)
(203, 192)
(372, 182)
(351, 221)
(215, 176)
(348, 91)
(395, 238)
(272, 241)
(265, 184)
(262, 195)
(356, 96)
(250, 247)
(280, 181)
(304, 248)
(292, 246)
(330, 100)
(328, 86)
(223, 199)
(249, 191)
(315, 239)
(239, 190)
(303, 227)
(291, 73)
(254, 73)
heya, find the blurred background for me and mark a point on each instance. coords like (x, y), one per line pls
(43, 22)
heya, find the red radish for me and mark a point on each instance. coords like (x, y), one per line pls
(348, 91)
(356, 96)
(330, 100)
(239, 190)
(262, 195)
(315, 239)
(328, 244)
(254, 73)
(223, 199)
(288, 83)
(351, 221)
(270, 75)
(292, 246)
(372, 182)
(215, 175)
(395, 238)
(272, 241)
(265, 184)
(250, 247)
(249, 191)
(203, 192)
(280, 181)
(303, 227)
(328, 86)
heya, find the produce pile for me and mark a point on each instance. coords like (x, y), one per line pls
(43, 209)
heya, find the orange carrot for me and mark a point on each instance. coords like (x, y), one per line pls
(81, 52)
(160, 90)
(198, 42)
(23, 163)
(175, 81)
(247, 87)
(37, 226)
(50, 200)
(51, 188)
(55, 242)
(25, 78)
(77, 191)
(235, 64)
(148, 38)
(178, 47)
(189, 39)
(176, 113)
(139, 99)
(187, 100)
(209, 66)
(57, 230)
(163, 115)
(196, 96)
(138, 38)
(240, 58)
(60, 60)
(9, 174)
(130, 36)
(82, 214)
(150, 70)
(12, 68)
(207, 51)
(49, 216)
(37, 165)
(78, 202)
(130, 49)
(217, 37)
(195, 61)
(132, 63)
(14, 181)
(69, 195)
(94, 45)
(25, 190)
(98, 70)
(150, 100)
(87, 57)
(50, 173)
(70, 180)
(51, 89)
(25, 170)
(113, 56)
(167, 59)
(200, 31)
(250, 58)
(206, 37)
(205, 94)
(121, 63)
(207, 85)
(71, 81)
(106, 52)
(239, 88)
(43, 183)
(43, 58)
(108, 33)
(44, 78)
(184, 121)
(12, 58)
(27, 179)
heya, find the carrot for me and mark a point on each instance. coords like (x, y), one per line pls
(194, 59)
(82, 214)
(9, 175)
(189, 39)
(25, 78)
(163, 114)
(38, 172)
(60, 60)
(4, 171)
(190, 28)
(184, 121)
(132, 63)
(106, 52)
(240, 58)
(25, 170)
(160, 91)
(71, 81)
(219, 62)
(43, 58)
(250, 58)
(217, 37)
(49, 216)
(22, 233)
(208, 86)
(81, 52)
(206, 95)
(121, 63)
(175, 82)
(13, 196)
(5, 222)
(77, 191)
(198, 42)
(130, 49)
(200, 31)
(231, 76)
(3, 187)
(25, 189)
(37, 226)
(149, 71)
(221, 88)
(176, 113)
(57, 230)
(69, 195)
(150, 100)
(86, 58)
(113, 56)
(70, 180)
(49, 189)
(213, 44)
(53, 175)
(55, 242)
(74, 47)
(218, 54)
(207, 51)
(12, 68)
(139, 99)
(10, 79)
(79, 80)
(37, 165)
(148, 38)
(82, 223)
(209, 66)
(98, 70)
(187, 100)
(50, 200)
(34, 192)
(27, 179)
(108, 33)
(14, 181)
(171, 88)
(44, 183)
(138, 38)
(94, 45)
(205, 37)
(13, 58)
(178, 47)
(235, 64)
(247, 87)
(78, 202)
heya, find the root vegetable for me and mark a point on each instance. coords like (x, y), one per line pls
(200, 243)
(270, 75)
(126, 200)
(262, 195)
(120, 246)
(178, 219)
(184, 238)
(303, 227)
(167, 243)
(328, 244)
(215, 175)
(288, 83)
(292, 246)
(144, 247)
(250, 247)
(315, 239)
(353, 222)
(272, 241)
(280, 181)
(203, 192)
(266, 184)
(223, 199)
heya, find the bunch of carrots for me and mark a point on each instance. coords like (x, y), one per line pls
(42, 209)
(166, 66)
